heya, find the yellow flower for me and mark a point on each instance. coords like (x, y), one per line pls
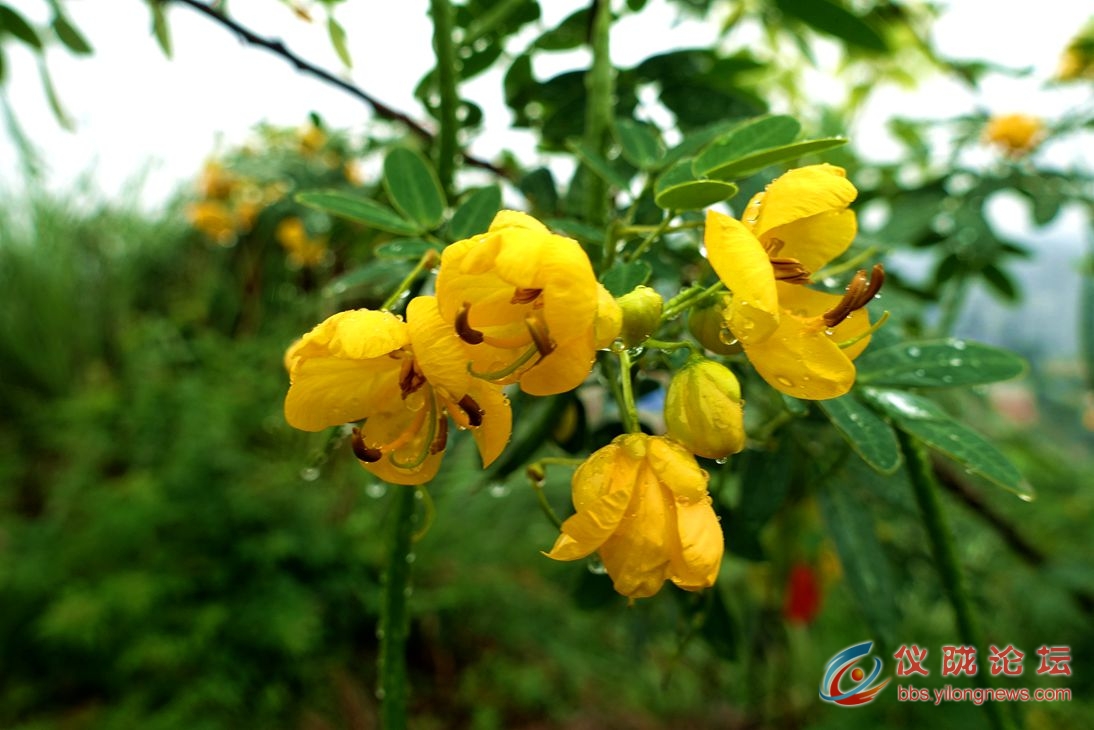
(790, 333)
(303, 250)
(642, 503)
(1016, 134)
(704, 410)
(526, 301)
(214, 219)
(404, 379)
(216, 183)
(311, 139)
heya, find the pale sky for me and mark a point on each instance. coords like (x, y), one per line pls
(137, 111)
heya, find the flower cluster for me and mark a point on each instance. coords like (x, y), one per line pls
(1015, 134)
(520, 306)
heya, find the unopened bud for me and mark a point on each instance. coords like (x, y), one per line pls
(641, 314)
(708, 326)
(704, 410)
(609, 318)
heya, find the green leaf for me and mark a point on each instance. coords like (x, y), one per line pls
(359, 209)
(12, 22)
(624, 277)
(600, 166)
(870, 436)
(475, 214)
(51, 95)
(752, 163)
(371, 282)
(850, 523)
(765, 484)
(570, 33)
(1086, 321)
(832, 18)
(640, 143)
(1000, 282)
(677, 189)
(160, 28)
(937, 364)
(338, 40)
(70, 37)
(538, 186)
(407, 248)
(719, 628)
(576, 229)
(924, 419)
(413, 186)
(762, 133)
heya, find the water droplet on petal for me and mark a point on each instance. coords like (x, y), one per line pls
(784, 381)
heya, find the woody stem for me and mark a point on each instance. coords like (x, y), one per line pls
(925, 488)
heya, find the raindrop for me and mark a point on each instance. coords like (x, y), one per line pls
(956, 362)
(376, 490)
(380, 634)
(498, 491)
(415, 401)
(829, 282)
(829, 331)
(722, 460)
(596, 567)
(408, 591)
(959, 344)
(914, 352)
(947, 378)
(380, 694)
(1026, 496)
(784, 381)
(310, 474)
(920, 372)
(411, 557)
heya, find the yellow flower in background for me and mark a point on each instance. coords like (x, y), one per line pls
(214, 219)
(791, 333)
(216, 183)
(404, 380)
(1016, 134)
(642, 504)
(526, 301)
(311, 139)
(303, 249)
(704, 410)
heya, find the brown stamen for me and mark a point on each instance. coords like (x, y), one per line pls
(363, 451)
(859, 293)
(524, 296)
(474, 412)
(790, 271)
(441, 440)
(463, 327)
(540, 336)
(410, 378)
(773, 246)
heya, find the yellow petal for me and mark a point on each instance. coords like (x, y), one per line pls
(516, 219)
(805, 303)
(385, 428)
(497, 421)
(818, 239)
(745, 268)
(637, 554)
(442, 355)
(803, 362)
(701, 545)
(330, 391)
(676, 468)
(601, 496)
(564, 369)
(609, 318)
(801, 193)
(358, 334)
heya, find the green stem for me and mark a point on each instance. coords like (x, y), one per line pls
(653, 236)
(627, 408)
(447, 149)
(925, 487)
(428, 261)
(637, 229)
(598, 111)
(686, 299)
(394, 615)
(665, 345)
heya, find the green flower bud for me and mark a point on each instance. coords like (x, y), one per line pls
(708, 326)
(641, 314)
(704, 410)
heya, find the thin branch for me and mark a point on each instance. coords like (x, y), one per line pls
(381, 109)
